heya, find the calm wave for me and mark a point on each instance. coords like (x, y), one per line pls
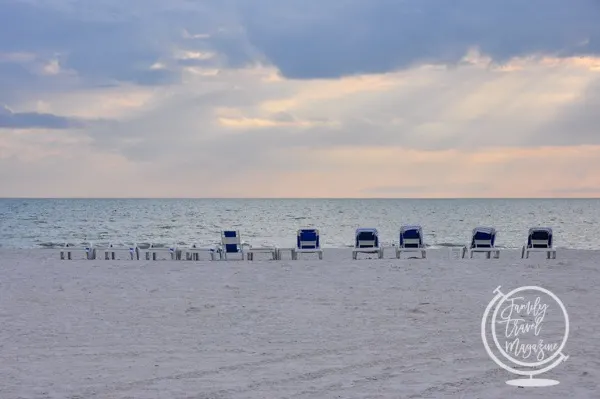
(28, 223)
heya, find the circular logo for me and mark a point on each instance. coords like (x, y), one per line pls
(529, 341)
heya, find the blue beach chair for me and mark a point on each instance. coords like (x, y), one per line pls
(367, 241)
(539, 240)
(411, 240)
(307, 241)
(484, 240)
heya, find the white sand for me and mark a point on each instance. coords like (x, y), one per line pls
(335, 328)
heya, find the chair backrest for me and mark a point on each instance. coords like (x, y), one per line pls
(539, 237)
(231, 241)
(308, 239)
(411, 236)
(366, 238)
(483, 237)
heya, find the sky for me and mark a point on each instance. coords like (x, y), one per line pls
(300, 98)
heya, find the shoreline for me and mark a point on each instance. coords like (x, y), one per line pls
(339, 253)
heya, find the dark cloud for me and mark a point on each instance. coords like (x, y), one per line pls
(309, 38)
(29, 120)
(11, 78)
(103, 41)
(115, 40)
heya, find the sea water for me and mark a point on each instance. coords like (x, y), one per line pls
(30, 223)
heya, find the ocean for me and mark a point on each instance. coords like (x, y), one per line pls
(35, 223)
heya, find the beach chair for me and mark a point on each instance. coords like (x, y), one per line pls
(307, 241)
(193, 251)
(111, 251)
(484, 240)
(69, 251)
(154, 251)
(411, 240)
(367, 241)
(539, 240)
(264, 249)
(231, 243)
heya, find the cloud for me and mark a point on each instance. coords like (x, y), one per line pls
(264, 125)
(575, 123)
(340, 98)
(28, 120)
(121, 41)
(309, 38)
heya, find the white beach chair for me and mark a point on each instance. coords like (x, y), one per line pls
(367, 241)
(272, 250)
(411, 240)
(231, 243)
(193, 251)
(111, 251)
(484, 240)
(69, 251)
(154, 251)
(539, 240)
(307, 242)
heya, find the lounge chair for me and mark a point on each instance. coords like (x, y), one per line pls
(307, 241)
(264, 249)
(231, 243)
(367, 241)
(193, 251)
(154, 250)
(110, 251)
(484, 240)
(68, 251)
(411, 240)
(539, 240)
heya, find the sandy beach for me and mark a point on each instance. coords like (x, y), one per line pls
(336, 328)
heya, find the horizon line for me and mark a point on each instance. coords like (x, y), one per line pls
(295, 198)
